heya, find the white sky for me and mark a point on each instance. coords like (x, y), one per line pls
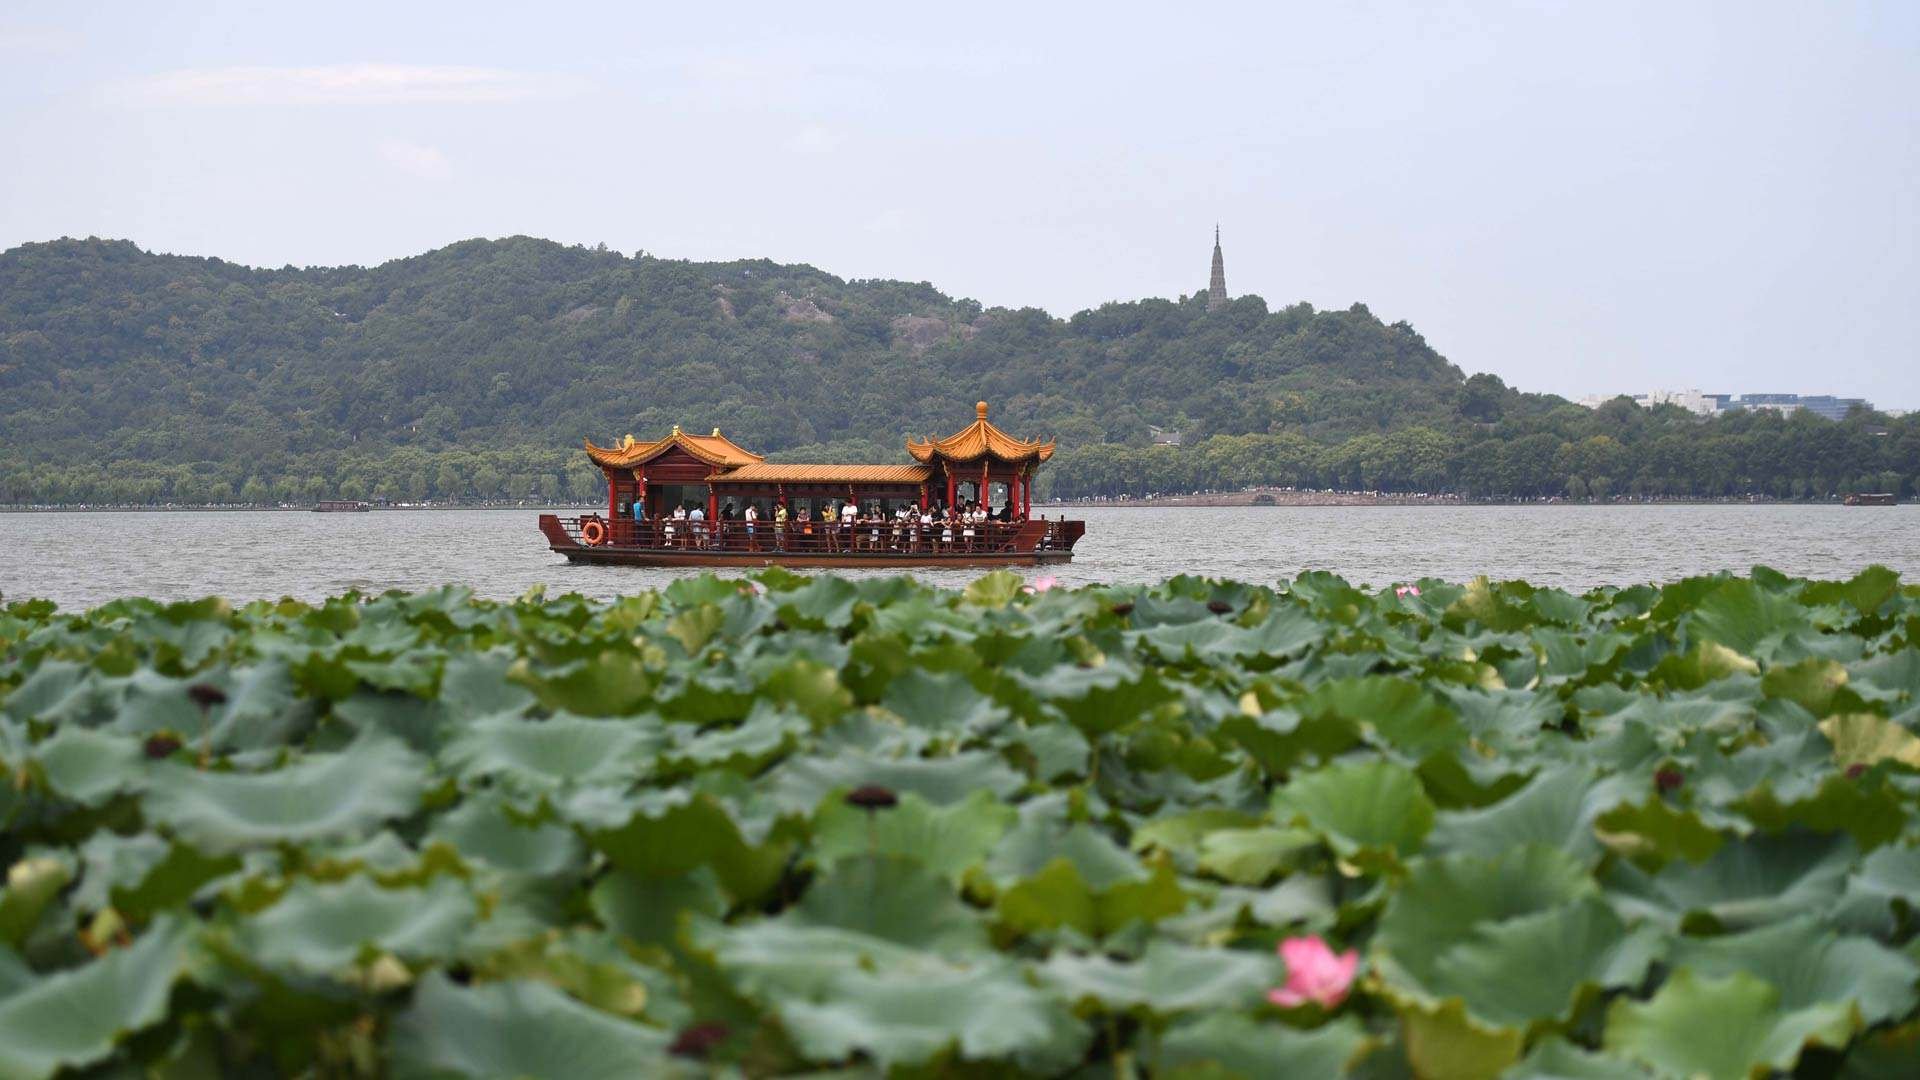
(1579, 197)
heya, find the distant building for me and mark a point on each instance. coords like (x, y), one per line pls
(1217, 284)
(1833, 408)
(1691, 400)
(1163, 436)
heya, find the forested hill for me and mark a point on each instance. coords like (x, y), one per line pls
(475, 369)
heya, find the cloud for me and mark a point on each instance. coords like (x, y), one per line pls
(343, 84)
(415, 159)
(814, 139)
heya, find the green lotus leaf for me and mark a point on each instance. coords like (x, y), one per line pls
(1254, 1049)
(326, 928)
(1445, 1042)
(546, 754)
(1517, 938)
(88, 766)
(1213, 640)
(948, 840)
(1810, 966)
(824, 602)
(994, 590)
(1557, 808)
(1865, 591)
(1730, 1027)
(1882, 892)
(810, 688)
(518, 1028)
(1252, 856)
(1891, 677)
(76, 1017)
(1866, 739)
(319, 796)
(1098, 699)
(614, 683)
(1888, 1054)
(1367, 810)
(944, 703)
(838, 993)
(800, 783)
(1703, 665)
(695, 626)
(139, 889)
(649, 910)
(1056, 750)
(1167, 979)
(475, 685)
(32, 883)
(1746, 618)
(1181, 832)
(420, 723)
(593, 968)
(670, 835)
(1813, 684)
(1059, 895)
(1558, 1059)
(895, 899)
(1748, 882)
(480, 828)
(1655, 831)
(1399, 715)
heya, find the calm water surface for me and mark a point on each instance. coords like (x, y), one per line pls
(82, 559)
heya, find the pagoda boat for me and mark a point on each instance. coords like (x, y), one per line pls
(683, 501)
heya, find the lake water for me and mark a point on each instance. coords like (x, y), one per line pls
(82, 559)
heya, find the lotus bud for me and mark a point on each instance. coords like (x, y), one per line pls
(872, 797)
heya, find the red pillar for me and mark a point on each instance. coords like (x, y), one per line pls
(923, 497)
(1026, 495)
(1013, 497)
(952, 485)
(613, 495)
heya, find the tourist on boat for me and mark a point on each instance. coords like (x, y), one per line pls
(946, 528)
(966, 526)
(830, 526)
(874, 520)
(849, 516)
(728, 514)
(753, 526)
(697, 525)
(923, 531)
(780, 527)
(674, 528)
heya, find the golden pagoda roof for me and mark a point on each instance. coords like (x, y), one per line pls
(715, 449)
(784, 473)
(980, 439)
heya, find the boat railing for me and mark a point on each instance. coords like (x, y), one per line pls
(817, 537)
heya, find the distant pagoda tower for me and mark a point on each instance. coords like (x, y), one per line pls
(1217, 285)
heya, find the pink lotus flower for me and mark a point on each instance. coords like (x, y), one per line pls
(1314, 973)
(1041, 584)
(1406, 590)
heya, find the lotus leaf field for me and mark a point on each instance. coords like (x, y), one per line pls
(788, 825)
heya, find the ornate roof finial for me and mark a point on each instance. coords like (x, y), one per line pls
(676, 429)
(716, 433)
(980, 409)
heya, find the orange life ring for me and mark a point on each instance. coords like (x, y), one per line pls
(593, 533)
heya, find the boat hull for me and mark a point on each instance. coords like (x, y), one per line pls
(1032, 544)
(613, 556)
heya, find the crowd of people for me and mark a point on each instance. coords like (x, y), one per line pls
(837, 526)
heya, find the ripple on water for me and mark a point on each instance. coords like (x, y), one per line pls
(84, 559)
